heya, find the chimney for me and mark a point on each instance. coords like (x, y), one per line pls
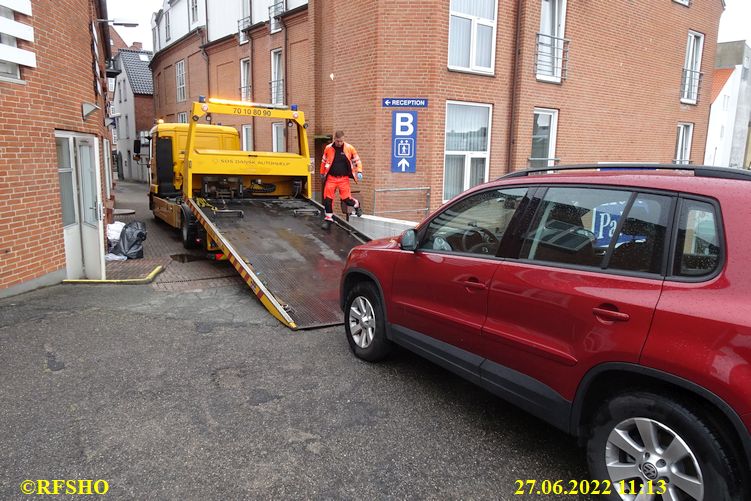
(137, 46)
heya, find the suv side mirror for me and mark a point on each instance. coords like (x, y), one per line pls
(409, 240)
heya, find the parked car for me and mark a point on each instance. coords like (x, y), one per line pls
(613, 304)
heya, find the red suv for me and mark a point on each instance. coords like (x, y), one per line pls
(615, 304)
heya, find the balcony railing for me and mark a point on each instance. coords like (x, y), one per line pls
(112, 68)
(551, 57)
(242, 27)
(275, 11)
(542, 162)
(245, 93)
(690, 85)
(277, 91)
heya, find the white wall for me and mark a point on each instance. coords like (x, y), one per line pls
(179, 15)
(223, 17)
(722, 114)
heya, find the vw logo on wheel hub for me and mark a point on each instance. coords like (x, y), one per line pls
(649, 470)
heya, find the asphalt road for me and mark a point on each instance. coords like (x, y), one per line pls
(201, 394)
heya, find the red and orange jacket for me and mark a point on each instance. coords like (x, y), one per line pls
(355, 164)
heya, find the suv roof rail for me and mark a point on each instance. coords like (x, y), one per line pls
(698, 170)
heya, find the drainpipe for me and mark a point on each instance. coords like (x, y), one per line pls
(204, 54)
(514, 98)
(286, 95)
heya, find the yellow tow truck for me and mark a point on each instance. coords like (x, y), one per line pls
(253, 208)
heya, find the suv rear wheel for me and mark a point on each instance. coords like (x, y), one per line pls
(641, 437)
(365, 323)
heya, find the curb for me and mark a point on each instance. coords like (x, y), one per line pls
(127, 281)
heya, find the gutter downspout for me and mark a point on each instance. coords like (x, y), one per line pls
(204, 54)
(286, 96)
(514, 100)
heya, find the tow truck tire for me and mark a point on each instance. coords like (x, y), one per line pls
(189, 229)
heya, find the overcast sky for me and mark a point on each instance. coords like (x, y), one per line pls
(735, 23)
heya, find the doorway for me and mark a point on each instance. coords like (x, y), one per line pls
(81, 200)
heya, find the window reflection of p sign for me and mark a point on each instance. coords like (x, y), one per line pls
(404, 147)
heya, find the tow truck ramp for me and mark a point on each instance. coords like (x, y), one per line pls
(277, 245)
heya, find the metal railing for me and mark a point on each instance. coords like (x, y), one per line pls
(551, 57)
(690, 85)
(425, 210)
(242, 26)
(277, 91)
(542, 162)
(276, 9)
(245, 93)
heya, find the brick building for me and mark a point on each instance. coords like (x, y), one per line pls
(54, 176)
(502, 84)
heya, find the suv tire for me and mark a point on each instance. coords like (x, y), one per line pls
(626, 423)
(365, 323)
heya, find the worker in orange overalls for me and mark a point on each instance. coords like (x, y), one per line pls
(340, 162)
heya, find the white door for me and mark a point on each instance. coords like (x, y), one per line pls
(69, 201)
(91, 210)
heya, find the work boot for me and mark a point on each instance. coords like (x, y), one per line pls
(358, 209)
(326, 224)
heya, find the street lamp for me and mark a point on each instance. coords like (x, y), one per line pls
(115, 22)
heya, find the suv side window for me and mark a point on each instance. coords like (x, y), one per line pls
(640, 245)
(574, 225)
(474, 224)
(698, 250)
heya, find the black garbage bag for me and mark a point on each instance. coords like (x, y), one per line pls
(131, 240)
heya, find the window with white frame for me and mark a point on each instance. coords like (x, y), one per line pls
(247, 135)
(544, 129)
(12, 58)
(180, 80)
(166, 27)
(277, 130)
(467, 146)
(245, 79)
(692, 68)
(182, 117)
(277, 77)
(683, 143)
(127, 127)
(472, 33)
(8, 68)
(552, 48)
(193, 11)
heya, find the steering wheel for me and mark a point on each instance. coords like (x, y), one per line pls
(479, 240)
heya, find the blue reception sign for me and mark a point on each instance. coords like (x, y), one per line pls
(404, 102)
(403, 141)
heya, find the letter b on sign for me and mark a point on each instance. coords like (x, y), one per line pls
(404, 125)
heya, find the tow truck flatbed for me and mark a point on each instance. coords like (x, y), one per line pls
(280, 250)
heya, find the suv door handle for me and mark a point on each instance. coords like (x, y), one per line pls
(610, 315)
(473, 283)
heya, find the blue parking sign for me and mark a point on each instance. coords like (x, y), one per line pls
(403, 141)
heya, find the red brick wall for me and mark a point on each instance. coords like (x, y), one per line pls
(166, 106)
(144, 108)
(31, 233)
(621, 101)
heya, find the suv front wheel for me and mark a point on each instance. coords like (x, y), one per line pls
(365, 323)
(651, 445)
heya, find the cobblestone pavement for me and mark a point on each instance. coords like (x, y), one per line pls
(183, 269)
